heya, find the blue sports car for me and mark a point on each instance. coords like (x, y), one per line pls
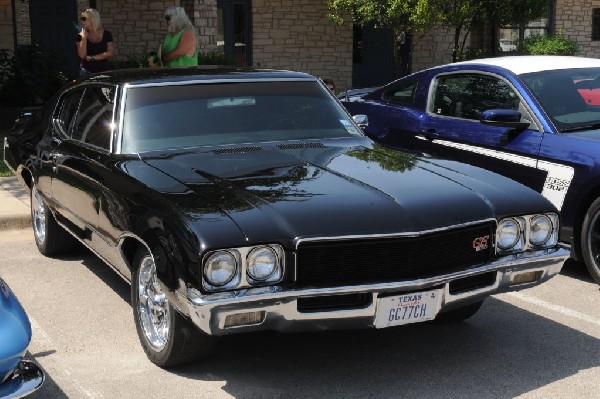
(535, 119)
(18, 377)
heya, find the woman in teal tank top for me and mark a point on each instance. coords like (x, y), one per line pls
(180, 47)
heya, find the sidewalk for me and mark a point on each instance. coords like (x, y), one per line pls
(15, 212)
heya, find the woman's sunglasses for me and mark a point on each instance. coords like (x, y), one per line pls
(167, 17)
(83, 19)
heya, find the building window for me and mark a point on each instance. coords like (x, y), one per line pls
(509, 36)
(596, 24)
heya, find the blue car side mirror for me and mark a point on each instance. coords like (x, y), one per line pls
(504, 118)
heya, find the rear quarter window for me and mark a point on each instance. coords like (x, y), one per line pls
(401, 94)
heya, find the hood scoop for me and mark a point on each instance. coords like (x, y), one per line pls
(237, 150)
(298, 146)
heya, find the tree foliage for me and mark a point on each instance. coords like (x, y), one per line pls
(399, 16)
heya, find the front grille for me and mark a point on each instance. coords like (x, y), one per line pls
(379, 260)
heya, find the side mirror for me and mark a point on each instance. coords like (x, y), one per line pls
(503, 118)
(361, 120)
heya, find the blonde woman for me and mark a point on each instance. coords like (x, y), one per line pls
(180, 47)
(94, 43)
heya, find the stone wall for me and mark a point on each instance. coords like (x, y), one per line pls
(432, 48)
(203, 14)
(6, 25)
(297, 35)
(23, 24)
(574, 19)
(137, 27)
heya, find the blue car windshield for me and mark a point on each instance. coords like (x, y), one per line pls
(208, 114)
(570, 97)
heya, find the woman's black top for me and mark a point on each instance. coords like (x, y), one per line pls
(95, 49)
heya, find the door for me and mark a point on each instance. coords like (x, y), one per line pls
(233, 30)
(451, 127)
(80, 149)
(52, 27)
(373, 57)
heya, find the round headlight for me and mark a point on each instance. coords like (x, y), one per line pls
(541, 230)
(509, 233)
(220, 268)
(262, 263)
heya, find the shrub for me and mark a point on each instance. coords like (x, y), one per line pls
(214, 58)
(30, 75)
(548, 45)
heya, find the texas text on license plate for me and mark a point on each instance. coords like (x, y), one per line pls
(407, 308)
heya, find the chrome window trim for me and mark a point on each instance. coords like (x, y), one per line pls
(429, 102)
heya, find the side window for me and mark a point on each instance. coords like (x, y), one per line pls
(403, 94)
(468, 95)
(68, 111)
(93, 124)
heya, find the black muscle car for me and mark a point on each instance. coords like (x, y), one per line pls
(242, 200)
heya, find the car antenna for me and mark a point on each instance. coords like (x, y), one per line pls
(347, 96)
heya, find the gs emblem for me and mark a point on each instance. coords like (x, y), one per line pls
(481, 243)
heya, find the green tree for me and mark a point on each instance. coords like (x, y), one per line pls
(397, 17)
(459, 15)
(463, 15)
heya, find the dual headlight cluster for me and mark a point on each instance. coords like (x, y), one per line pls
(243, 267)
(523, 233)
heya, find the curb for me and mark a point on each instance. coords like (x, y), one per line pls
(15, 212)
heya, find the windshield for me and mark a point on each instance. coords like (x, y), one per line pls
(571, 97)
(206, 114)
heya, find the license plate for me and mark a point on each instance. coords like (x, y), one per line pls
(407, 308)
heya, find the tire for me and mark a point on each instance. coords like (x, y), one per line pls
(168, 338)
(459, 314)
(590, 240)
(50, 238)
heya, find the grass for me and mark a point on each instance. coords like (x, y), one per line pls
(4, 171)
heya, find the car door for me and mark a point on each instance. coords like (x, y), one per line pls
(451, 126)
(80, 149)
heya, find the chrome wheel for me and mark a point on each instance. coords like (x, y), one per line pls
(38, 216)
(153, 306)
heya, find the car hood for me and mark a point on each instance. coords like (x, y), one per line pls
(316, 190)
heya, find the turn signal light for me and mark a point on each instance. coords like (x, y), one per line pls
(244, 319)
(527, 277)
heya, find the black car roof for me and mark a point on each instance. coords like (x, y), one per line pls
(158, 75)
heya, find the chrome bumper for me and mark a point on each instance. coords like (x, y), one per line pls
(279, 306)
(27, 378)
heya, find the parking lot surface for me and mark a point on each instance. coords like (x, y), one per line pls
(542, 342)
